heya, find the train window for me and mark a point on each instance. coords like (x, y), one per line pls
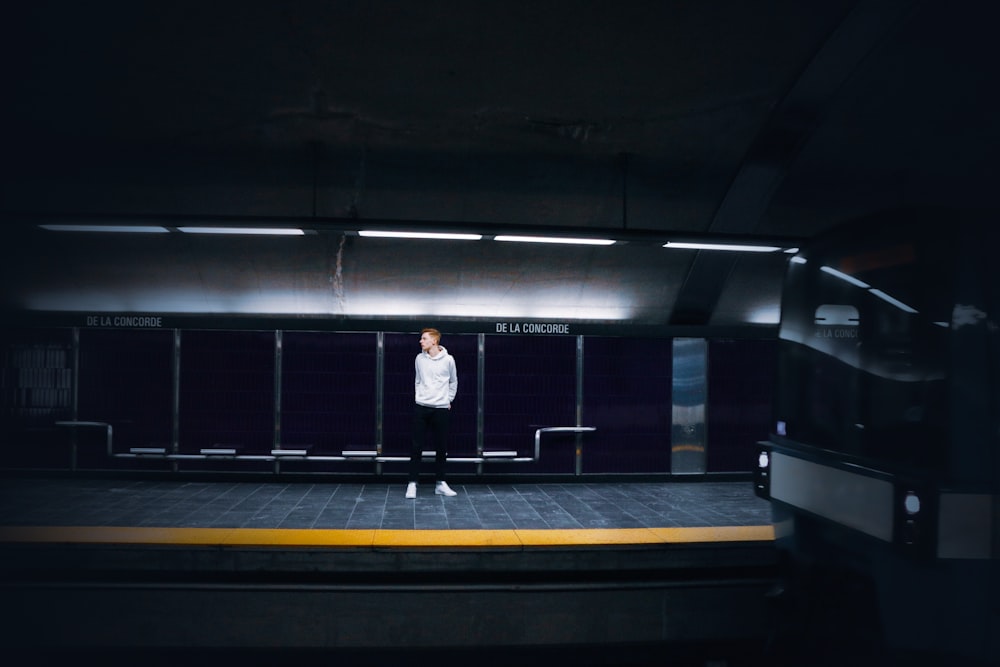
(864, 338)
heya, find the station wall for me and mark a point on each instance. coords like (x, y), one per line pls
(330, 391)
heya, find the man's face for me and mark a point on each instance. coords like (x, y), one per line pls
(426, 341)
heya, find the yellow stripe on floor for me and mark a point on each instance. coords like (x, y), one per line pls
(716, 534)
(584, 536)
(377, 538)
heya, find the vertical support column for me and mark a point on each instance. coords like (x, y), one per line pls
(276, 442)
(480, 398)
(277, 389)
(75, 361)
(579, 404)
(75, 397)
(379, 396)
(688, 432)
(175, 427)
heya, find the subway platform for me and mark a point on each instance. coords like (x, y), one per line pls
(596, 571)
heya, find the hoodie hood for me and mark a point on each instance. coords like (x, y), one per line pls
(442, 353)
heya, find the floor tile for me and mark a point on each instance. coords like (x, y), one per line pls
(334, 505)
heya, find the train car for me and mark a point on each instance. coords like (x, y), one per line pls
(882, 464)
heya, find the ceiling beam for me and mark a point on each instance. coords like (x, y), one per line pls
(788, 128)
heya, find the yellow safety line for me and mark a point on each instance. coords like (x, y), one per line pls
(378, 538)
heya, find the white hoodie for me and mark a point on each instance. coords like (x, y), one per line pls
(436, 381)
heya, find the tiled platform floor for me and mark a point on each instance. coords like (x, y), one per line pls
(133, 566)
(80, 501)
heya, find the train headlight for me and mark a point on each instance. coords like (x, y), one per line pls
(762, 472)
(915, 518)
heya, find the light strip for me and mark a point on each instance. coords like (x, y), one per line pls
(419, 235)
(843, 276)
(894, 301)
(876, 292)
(554, 239)
(137, 229)
(265, 231)
(720, 246)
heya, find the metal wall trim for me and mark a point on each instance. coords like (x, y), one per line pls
(480, 396)
(862, 502)
(579, 405)
(379, 394)
(278, 341)
(75, 361)
(689, 398)
(175, 427)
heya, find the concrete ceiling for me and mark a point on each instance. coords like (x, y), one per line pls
(726, 118)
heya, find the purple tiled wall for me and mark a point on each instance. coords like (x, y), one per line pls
(530, 383)
(327, 391)
(400, 352)
(626, 393)
(227, 390)
(741, 376)
(329, 385)
(126, 378)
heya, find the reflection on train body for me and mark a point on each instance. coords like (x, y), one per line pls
(882, 463)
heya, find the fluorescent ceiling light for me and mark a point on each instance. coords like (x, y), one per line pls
(553, 239)
(843, 276)
(419, 235)
(721, 246)
(265, 231)
(137, 229)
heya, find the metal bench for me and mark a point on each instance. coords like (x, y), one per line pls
(303, 453)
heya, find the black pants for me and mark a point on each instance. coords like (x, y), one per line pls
(433, 421)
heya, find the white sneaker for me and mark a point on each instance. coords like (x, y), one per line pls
(442, 489)
(411, 490)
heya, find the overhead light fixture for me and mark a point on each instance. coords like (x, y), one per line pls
(260, 231)
(419, 235)
(554, 239)
(135, 229)
(721, 246)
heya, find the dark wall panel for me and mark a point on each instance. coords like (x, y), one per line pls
(227, 390)
(329, 397)
(400, 352)
(127, 380)
(626, 389)
(328, 385)
(530, 382)
(741, 376)
(36, 391)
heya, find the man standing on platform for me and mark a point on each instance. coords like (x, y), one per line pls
(435, 386)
